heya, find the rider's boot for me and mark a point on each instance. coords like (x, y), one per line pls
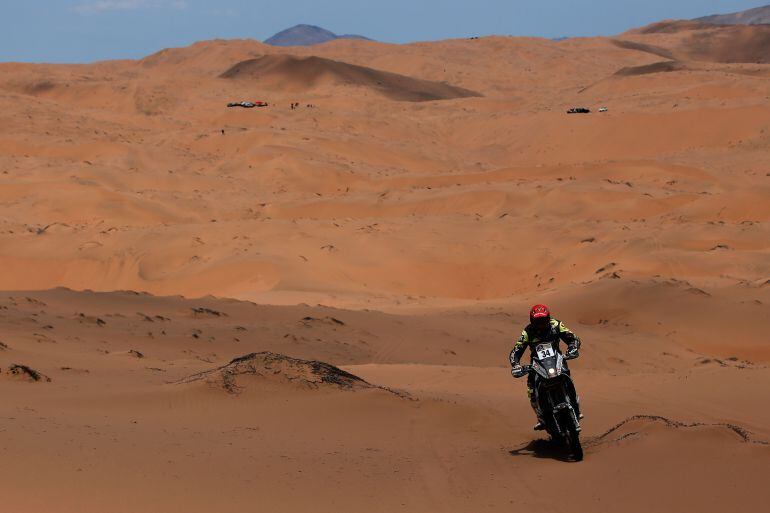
(540, 424)
(533, 402)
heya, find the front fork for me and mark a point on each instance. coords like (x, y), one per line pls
(563, 404)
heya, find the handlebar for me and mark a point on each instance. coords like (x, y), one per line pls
(525, 369)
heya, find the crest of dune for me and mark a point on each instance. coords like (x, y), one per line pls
(304, 74)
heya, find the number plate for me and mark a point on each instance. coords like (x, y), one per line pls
(545, 351)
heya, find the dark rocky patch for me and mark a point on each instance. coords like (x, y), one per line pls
(26, 373)
(90, 319)
(310, 321)
(606, 268)
(207, 312)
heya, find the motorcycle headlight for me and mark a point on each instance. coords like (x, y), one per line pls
(551, 371)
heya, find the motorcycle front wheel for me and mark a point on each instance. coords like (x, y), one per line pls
(572, 441)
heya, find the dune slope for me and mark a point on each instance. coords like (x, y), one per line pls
(303, 74)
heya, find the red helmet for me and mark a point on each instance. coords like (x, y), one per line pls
(540, 314)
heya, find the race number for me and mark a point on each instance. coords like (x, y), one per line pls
(545, 351)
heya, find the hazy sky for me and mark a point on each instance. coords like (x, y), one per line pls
(88, 30)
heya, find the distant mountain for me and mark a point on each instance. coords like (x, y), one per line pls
(756, 16)
(307, 35)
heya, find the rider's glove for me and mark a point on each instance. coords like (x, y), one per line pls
(516, 369)
(573, 352)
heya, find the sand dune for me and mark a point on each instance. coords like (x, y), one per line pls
(711, 43)
(256, 371)
(312, 308)
(303, 74)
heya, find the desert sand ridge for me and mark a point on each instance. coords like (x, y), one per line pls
(267, 365)
(757, 15)
(617, 430)
(703, 42)
(301, 75)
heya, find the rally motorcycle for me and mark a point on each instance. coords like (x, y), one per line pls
(552, 397)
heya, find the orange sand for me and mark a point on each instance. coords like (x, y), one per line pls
(419, 232)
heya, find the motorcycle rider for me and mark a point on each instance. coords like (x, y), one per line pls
(543, 329)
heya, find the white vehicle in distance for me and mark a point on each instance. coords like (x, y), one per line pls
(603, 109)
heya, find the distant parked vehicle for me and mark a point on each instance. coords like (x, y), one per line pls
(603, 109)
(578, 110)
(247, 105)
